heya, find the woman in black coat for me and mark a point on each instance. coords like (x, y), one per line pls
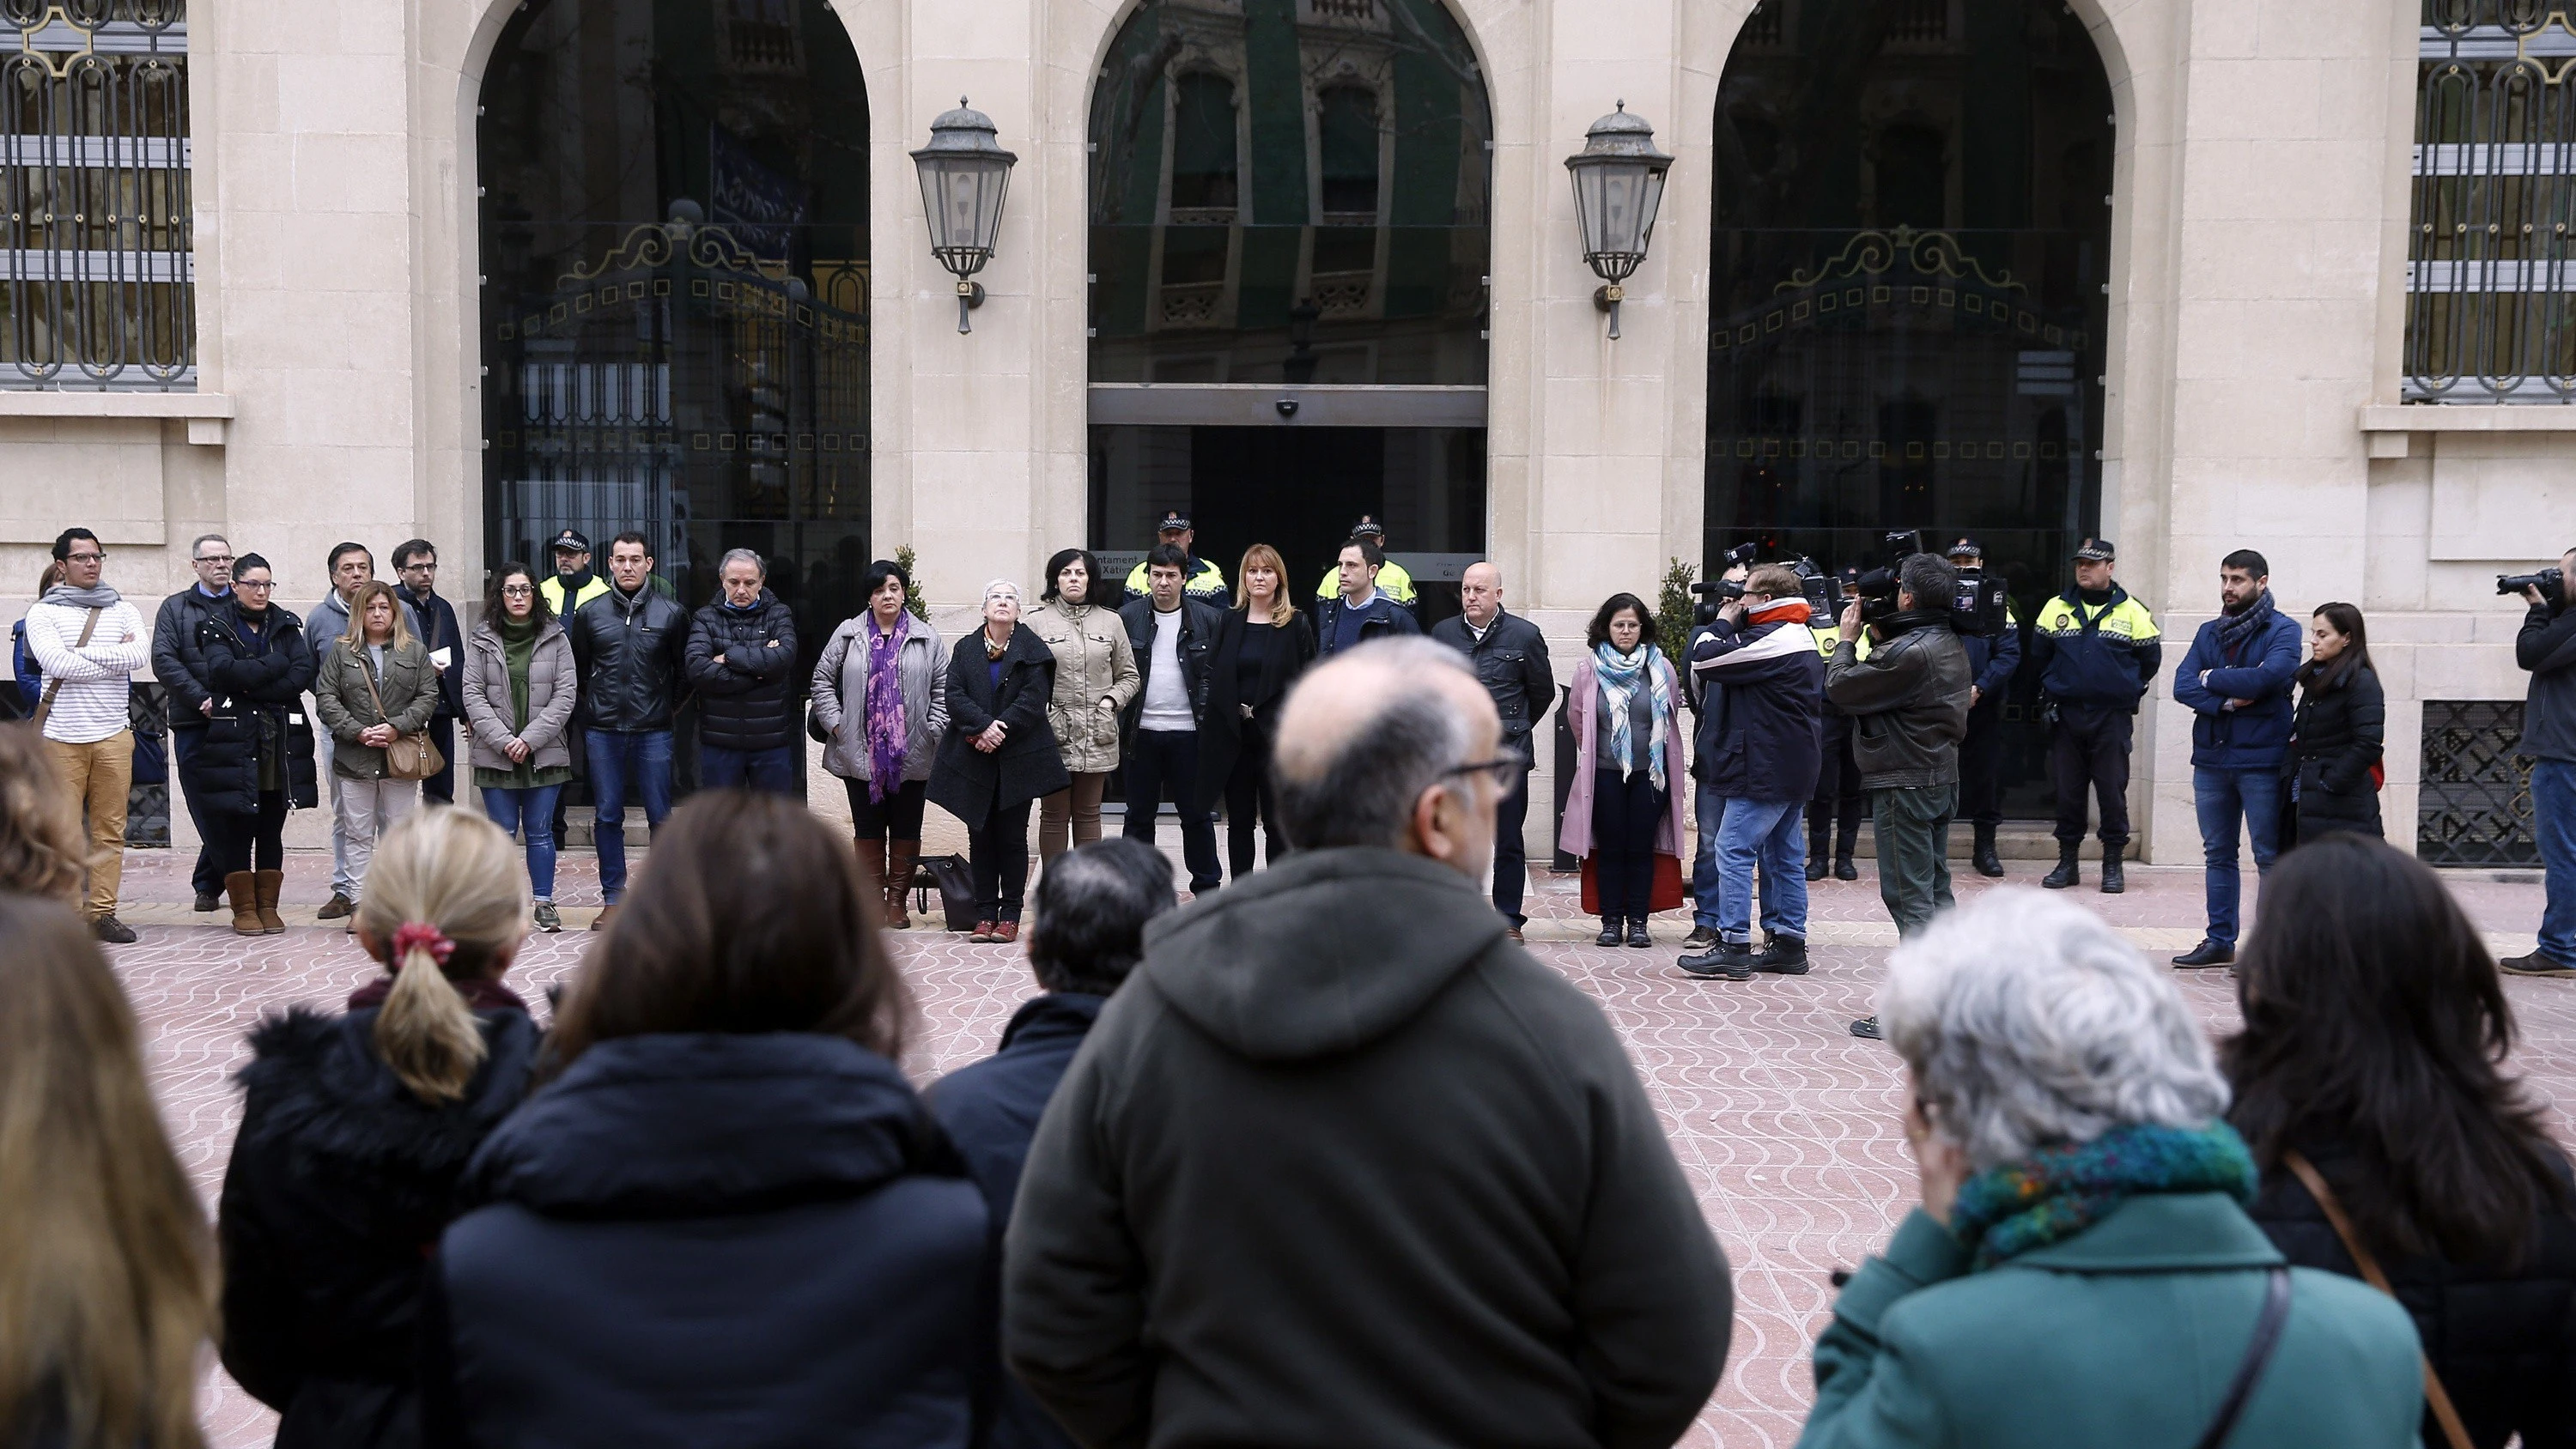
(728, 1220)
(2341, 723)
(1000, 754)
(2375, 1021)
(256, 759)
(1262, 645)
(355, 1129)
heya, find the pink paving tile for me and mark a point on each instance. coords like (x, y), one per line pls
(1784, 1123)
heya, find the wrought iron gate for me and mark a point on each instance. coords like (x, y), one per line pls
(2475, 806)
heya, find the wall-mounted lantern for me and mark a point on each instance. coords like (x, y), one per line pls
(1618, 184)
(964, 175)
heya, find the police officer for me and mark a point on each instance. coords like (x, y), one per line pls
(573, 584)
(1204, 582)
(1991, 663)
(1392, 580)
(2097, 650)
(1834, 815)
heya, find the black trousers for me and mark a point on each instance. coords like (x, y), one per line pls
(442, 786)
(997, 849)
(1835, 812)
(1511, 855)
(1248, 797)
(1161, 762)
(1624, 815)
(897, 817)
(2091, 747)
(248, 842)
(1981, 764)
(206, 876)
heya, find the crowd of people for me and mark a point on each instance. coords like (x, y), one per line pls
(1323, 1158)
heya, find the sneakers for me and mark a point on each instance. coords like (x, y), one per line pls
(548, 919)
(1785, 956)
(1700, 939)
(2216, 953)
(1866, 1027)
(983, 932)
(1638, 937)
(113, 931)
(2536, 964)
(1005, 932)
(337, 908)
(2070, 869)
(1613, 931)
(606, 917)
(1732, 960)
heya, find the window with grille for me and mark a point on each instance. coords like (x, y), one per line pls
(97, 261)
(2475, 805)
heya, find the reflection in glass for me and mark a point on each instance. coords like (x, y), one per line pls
(674, 311)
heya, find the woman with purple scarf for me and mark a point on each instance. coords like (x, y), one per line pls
(881, 705)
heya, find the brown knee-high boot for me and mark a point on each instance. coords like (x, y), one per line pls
(270, 885)
(241, 887)
(872, 862)
(900, 858)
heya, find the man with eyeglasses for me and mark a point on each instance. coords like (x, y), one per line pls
(179, 662)
(89, 642)
(433, 623)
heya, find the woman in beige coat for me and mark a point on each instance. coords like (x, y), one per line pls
(1095, 676)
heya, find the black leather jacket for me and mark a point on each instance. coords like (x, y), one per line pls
(1199, 624)
(1511, 662)
(632, 657)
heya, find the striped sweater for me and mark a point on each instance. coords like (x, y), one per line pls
(90, 706)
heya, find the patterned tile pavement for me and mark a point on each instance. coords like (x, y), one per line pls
(1785, 1123)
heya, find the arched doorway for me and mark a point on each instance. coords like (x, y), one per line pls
(1289, 243)
(1910, 253)
(674, 233)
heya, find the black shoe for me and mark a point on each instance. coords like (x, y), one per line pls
(1816, 868)
(2113, 881)
(210, 901)
(2207, 953)
(1785, 955)
(1700, 939)
(1611, 933)
(1867, 1026)
(2536, 964)
(1844, 869)
(1984, 858)
(112, 931)
(2070, 870)
(1730, 959)
(1637, 935)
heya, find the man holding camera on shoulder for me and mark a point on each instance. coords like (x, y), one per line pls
(1761, 683)
(1908, 703)
(2547, 648)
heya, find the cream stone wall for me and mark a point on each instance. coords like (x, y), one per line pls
(2259, 207)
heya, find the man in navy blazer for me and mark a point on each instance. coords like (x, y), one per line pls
(2236, 680)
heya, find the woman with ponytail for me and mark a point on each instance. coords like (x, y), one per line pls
(356, 1127)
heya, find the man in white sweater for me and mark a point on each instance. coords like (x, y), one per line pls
(89, 642)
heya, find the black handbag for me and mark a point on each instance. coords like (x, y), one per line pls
(956, 889)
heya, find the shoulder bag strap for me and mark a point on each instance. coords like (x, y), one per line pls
(2267, 1336)
(54, 686)
(367, 673)
(2435, 1397)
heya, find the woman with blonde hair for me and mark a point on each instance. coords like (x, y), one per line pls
(42, 852)
(355, 1129)
(107, 1289)
(1262, 645)
(376, 684)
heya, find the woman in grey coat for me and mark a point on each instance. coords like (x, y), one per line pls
(881, 704)
(520, 686)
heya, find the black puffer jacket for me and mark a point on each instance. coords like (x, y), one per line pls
(749, 701)
(2502, 1339)
(633, 658)
(341, 1181)
(178, 660)
(259, 707)
(964, 779)
(741, 1240)
(2337, 738)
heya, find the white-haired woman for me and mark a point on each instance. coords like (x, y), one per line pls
(2082, 1271)
(999, 756)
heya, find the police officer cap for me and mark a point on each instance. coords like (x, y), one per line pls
(571, 541)
(1968, 548)
(1174, 521)
(2096, 550)
(1847, 576)
(1368, 527)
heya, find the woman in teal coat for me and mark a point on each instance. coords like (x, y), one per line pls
(2082, 1271)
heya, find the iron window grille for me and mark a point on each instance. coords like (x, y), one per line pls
(97, 255)
(2475, 804)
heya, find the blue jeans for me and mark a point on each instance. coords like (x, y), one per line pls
(533, 812)
(2223, 798)
(1710, 809)
(769, 771)
(1774, 833)
(619, 760)
(2553, 819)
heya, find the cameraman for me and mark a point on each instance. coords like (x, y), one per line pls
(1762, 686)
(1908, 703)
(2547, 647)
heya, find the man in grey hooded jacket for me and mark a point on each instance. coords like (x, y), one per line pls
(1343, 1164)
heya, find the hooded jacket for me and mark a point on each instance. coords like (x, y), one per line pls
(1761, 724)
(699, 1239)
(1343, 1164)
(1908, 703)
(341, 1181)
(259, 705)
(749, 701)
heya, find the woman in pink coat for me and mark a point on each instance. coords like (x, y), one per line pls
(1625, 805)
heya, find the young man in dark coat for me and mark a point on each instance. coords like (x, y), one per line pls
(433, 623)
(1361, 611)
(742, 663)
(2236, 679)
(1341, 1163)
(631, 643)
(1092, 906)
(1173, 636)
(180, 665)
(1760, 747)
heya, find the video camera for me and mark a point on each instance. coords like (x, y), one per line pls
(2551, 583)
(1719, 592)
(1976, 610)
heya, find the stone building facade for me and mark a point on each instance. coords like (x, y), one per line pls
(477, 269)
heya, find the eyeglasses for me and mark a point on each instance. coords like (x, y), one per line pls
(84, 558)
(1501, 769)
(214, 558)
(255, 585)
(516, 591)
(417, 567)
